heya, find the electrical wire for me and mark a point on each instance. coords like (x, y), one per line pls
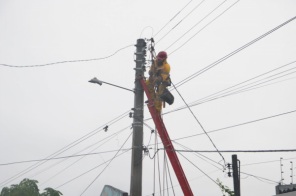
(67, 147)
(205, 132)
(235, 151)
(248, 80)
(69, 61)
(257, 177)
(187, 79)
(199, 169)
(89, 170)
(173, 18)
(67, 167)
(63, 157)
(106, 165)
(253, 84)
(227, 92)
(154, 170)
(51, 166)
(152, 31)
(236, 125)
(264, 162)
(159, 181)
(197, 6)
(182, 36)
(172, 186)
(164, 174)
(201, 156)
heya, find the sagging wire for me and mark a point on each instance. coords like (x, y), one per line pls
(69, 61)
(199, 124)
(152, 31)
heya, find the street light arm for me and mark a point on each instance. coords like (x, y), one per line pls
(96, 81)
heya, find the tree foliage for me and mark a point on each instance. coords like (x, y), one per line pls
(28, 187)
(225, 189)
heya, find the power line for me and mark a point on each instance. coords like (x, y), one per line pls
(89, 170)
(173, 17)
(51, 166)
(235, 151)
(226, 95)
(260, 177)
(224, 92)
(69, 61)
(199, 169)
(106, 165)
(255, 84)
(240, 124)
(199, 124)
(199, 102)
(263, 162)
(198, 24)
(253, 78)
(63, 157)
(201, 156)
(172, 186)
(67, 147)
(67, 167)
(181, 20)
(232, 53)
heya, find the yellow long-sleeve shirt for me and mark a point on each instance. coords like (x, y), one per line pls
(162, 70)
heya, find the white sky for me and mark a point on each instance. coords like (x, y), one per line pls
(43, 109)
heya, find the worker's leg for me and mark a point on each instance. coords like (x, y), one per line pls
(158, 101)
(150, 86)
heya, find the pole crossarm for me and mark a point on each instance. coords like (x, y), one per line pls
(167, 143)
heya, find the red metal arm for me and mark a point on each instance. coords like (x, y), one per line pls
(167, 144)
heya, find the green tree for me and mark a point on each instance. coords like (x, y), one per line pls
(28, 187)
(51, 192)
(225, 189)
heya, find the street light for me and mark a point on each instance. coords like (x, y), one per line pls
(97, 81)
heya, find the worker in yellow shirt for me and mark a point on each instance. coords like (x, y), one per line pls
(159, 79)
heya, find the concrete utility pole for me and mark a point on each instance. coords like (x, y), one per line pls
(136, 166)
(236, 175)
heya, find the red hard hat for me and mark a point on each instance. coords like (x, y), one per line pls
(162, 55)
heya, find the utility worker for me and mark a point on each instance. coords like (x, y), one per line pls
(159, 78)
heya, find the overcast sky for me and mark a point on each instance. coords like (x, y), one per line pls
(45, 108)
